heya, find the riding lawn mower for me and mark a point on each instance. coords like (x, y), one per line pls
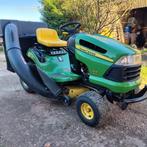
(92, 70)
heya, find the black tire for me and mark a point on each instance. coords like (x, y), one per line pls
(98, 104)
(26, 87)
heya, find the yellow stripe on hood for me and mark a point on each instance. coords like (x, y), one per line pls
(93, 53)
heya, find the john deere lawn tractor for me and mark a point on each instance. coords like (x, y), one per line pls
(91, 69)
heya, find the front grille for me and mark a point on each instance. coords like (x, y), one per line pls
(131, 73)
(120, 73)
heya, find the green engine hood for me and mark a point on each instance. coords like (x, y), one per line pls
(114, 48)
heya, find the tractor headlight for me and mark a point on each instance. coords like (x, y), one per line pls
(130, 60)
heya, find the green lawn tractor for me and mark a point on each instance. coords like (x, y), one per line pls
(90, 69)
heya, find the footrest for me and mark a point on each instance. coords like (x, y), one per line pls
(64, 77)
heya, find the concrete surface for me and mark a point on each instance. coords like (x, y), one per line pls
(28, 120)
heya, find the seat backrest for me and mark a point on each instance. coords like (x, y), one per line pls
(45, 34)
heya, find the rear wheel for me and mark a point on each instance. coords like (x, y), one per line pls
(91, 108)
(26, 87)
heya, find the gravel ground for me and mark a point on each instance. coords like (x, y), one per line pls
(28, 120)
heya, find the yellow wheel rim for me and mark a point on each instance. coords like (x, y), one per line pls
(87, 111)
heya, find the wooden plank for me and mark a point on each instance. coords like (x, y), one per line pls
(140, 4)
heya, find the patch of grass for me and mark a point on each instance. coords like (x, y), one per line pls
(144, 51)
(143, 76)
(1, 48)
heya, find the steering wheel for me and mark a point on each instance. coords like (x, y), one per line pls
(71, 27)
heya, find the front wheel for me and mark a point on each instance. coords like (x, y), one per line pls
(91, 108)
(26, 87)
